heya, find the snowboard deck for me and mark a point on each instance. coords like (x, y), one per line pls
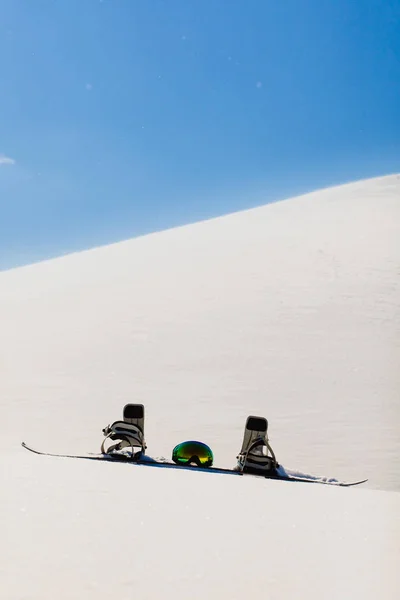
(164, 463)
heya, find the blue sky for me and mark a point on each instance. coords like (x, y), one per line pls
(122, 117)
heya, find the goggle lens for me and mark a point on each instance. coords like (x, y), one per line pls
(193, 452)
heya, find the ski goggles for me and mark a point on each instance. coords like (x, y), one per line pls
(190, 452)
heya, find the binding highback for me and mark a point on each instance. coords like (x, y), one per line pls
(255, 428)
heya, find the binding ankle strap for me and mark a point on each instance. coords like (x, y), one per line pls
(259, 460)
(127, 434)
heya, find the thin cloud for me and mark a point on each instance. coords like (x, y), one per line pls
(6, 160)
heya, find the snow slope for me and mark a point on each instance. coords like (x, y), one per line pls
(290, 311)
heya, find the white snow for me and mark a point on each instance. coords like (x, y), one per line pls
(290, 311)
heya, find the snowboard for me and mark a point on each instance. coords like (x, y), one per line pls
(146, 461)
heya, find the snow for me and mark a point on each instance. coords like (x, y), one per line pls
(290, 311)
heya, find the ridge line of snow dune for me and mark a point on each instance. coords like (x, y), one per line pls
(307, 195)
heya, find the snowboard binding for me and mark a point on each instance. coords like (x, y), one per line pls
(256, 455)
(128, 434)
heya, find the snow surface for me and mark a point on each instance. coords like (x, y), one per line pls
(290, 311)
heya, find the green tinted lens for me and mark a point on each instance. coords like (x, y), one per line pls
(196, 452)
